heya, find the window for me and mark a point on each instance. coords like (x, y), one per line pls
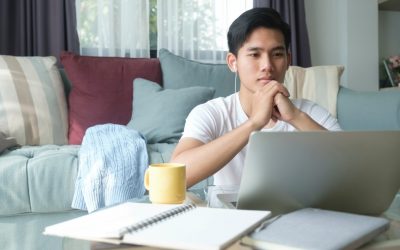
(194, 29)
(113, 27)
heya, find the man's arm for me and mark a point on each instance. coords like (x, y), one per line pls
(203, 160)
(286, 111)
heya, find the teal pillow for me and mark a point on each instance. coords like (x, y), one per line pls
(368, 110)
(179, 72)
(160, 114)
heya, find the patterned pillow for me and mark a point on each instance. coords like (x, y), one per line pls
(33, 106)
(319, 84)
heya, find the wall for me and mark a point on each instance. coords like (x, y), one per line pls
(389, 33)
(346, 32)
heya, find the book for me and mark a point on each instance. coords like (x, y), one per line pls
(311, 228)
(392, 67)
(169, 226)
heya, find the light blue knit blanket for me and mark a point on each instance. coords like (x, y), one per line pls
(112, 162)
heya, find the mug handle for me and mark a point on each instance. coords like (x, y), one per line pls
(147, 180)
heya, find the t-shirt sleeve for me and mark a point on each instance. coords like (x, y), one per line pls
(321, 116)
(201, 123)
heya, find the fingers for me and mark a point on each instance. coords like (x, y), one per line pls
(276, 115)
(279, 97)
(274, 88)
(264, 100)
(285, 108)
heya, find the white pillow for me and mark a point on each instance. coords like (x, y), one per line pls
(319, 84)
(33, 106)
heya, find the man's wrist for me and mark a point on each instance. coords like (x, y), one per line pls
(299, 119)
(252, 125)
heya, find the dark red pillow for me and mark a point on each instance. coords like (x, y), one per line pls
(102, 89)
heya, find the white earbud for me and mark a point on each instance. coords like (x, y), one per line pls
(234, 67)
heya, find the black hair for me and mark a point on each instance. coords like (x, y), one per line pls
(254, 18)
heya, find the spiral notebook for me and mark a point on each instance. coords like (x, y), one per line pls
(180, 227)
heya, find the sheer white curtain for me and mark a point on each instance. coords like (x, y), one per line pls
(197, 29)
(113, 27)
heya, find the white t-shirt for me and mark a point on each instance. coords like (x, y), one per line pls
(210, 120)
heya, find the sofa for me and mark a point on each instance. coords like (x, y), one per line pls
(153, 96)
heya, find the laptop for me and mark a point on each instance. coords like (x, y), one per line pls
(349, 171)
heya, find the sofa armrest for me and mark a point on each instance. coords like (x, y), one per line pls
(362, 110)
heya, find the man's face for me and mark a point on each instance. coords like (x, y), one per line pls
(262, 58)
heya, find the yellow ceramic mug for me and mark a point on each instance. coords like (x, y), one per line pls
(166, 183)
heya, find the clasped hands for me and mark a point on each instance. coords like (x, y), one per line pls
(271, 102)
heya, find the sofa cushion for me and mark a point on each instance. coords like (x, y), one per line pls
(14, 185)
(319, 84)
(160, 114)
(38, 179)
(41, 179)
(369, 110)
(179, 72)
(160, 152)
(33, 106)
(102, 89)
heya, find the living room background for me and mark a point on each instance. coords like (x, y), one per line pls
(334, 32)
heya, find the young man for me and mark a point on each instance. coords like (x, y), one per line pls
(216, 133)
